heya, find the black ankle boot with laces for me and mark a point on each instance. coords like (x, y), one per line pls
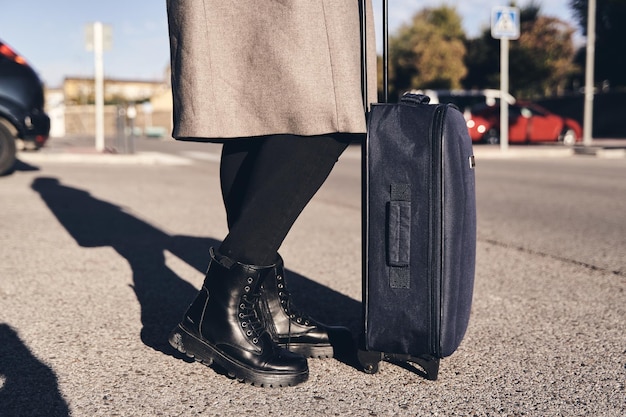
(224, 326)
(290, 328)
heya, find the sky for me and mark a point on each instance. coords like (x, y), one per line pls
(50, 34)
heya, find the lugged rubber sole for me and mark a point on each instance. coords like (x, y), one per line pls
(188, 344)
(309, 351)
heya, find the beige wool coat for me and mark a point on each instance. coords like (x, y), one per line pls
(243, 68)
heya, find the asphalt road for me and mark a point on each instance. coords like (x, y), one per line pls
(100, 254)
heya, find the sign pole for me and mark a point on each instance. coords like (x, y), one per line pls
(505, 25)
(98, 39)
(504, 92)
(589, 76)
(98, 48)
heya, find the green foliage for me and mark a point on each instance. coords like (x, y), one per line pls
(483, 62)
(542, 59)
(432, 51)
(610, 48)
(429, 52)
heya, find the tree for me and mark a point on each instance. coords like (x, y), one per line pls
(429, 52)
(482, 62)
(540, 60)
(610, 48)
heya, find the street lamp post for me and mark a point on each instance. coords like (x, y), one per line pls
(98, 38)
(589, 74)
(99, 84)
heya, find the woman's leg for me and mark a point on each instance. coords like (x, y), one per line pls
(266, 184)
(237, 162)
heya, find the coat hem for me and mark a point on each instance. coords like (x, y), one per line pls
(343, 136)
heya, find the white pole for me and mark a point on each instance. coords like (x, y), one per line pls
(504, 92)
(98, 47)
(589, 76)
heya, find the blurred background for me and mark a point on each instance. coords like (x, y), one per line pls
(435, 45)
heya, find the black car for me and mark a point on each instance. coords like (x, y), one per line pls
(22, 116)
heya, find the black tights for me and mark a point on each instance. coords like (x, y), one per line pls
(266, 183)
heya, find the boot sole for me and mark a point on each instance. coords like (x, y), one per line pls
(203, 352)
(309, 351)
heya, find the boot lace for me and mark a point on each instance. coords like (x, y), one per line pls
(248, 317)
(288, 307)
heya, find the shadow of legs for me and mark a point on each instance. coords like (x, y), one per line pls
(28, 387)
(163, 295)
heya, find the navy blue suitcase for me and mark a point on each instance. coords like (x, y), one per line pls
(419, 230)
(419, 233)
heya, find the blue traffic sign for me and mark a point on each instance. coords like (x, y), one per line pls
(505, 23)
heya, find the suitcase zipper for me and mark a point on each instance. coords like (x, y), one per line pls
(436, 220)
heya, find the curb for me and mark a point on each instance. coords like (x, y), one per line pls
(546, 151)
(139, 158)
(89, 156)
(600, 152)
(494, 152)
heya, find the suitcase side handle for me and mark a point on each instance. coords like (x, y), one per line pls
(399, 236)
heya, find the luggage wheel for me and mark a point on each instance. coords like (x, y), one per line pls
(369, 360)
(427, 365)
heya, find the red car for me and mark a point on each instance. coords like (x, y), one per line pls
(528, 123)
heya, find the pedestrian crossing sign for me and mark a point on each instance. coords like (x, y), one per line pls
(505, 23)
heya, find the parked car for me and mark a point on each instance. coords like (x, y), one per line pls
(465, 100)
(528, 123)
(23, 122)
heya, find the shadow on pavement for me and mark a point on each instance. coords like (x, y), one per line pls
(23, 166)
(28, 387)
(19, 166)
(163, 295)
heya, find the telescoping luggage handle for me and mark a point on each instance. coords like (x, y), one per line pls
(407, 98)
(364, 53)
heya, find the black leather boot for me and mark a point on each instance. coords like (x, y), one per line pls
(223, 326)
(290, 328)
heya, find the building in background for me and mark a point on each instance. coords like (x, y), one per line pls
(72, 111)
